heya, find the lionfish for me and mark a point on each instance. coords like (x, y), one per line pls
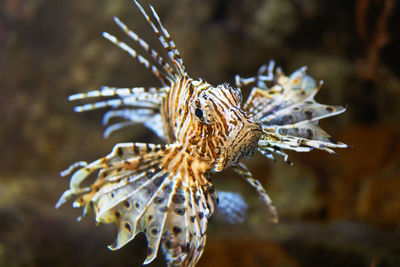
(164, 190)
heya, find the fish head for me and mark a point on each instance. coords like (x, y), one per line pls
(230, 132)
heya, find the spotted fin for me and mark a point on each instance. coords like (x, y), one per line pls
(183, 246)
(289, 114)
(136, 190)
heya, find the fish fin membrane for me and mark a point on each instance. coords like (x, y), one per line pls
(289, 115)
(137, 190)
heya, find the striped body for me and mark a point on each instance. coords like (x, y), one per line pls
(164, 190)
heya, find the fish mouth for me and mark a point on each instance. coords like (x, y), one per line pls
(243, 142)
(254, 134)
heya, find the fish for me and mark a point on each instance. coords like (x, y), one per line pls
(165, 190)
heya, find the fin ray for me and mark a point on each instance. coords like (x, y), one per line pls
(289, 114)
(132, 52)
(246, 174)
(152, 53)
(165, 40)
(139, 193)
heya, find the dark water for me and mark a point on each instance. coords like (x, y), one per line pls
(341, 211)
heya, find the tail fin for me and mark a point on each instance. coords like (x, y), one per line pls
(138, 191)
(289, 114)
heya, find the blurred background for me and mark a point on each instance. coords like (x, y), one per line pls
(334, 211)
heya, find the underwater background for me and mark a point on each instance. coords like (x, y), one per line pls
(334, 211)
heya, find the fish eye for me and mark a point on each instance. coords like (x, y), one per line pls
(198, 113)
(202, 109)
